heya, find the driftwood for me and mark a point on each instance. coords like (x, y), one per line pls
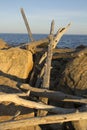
(53, 95)
(44, 120)
(70, 54)
(63, 50)
(27, 25)
(57, 38)
(49, 51)
(34, 44)
(47, 69)
(31, 104)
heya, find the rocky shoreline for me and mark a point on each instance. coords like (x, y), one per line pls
(68, 75)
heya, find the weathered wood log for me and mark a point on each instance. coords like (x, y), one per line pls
(63, 50)
(31, 104)
(42, 49)
(53, 95)
(27, 25)
(47, 69)
(39, 79)
(59, 55)
(75, 53)
(16, 94)
(43, 120)
(56, 50)
(55, 41)
(57, 38)
(34, 44)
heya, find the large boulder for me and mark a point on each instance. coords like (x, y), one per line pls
(74, 81)
(75, 75)
(16, 62)
(15, 66)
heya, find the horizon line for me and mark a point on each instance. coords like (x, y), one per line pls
(39, 33)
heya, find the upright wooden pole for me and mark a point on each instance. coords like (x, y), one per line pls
(46, 78)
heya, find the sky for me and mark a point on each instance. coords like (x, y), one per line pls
(40, 13)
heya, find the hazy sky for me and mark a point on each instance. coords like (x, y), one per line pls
(40, 14)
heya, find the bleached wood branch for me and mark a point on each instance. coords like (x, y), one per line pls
(27, 25)
(47, 69)
(16, 94)
(43, 120)
(31, 104)
(57, 38)
(59, 34)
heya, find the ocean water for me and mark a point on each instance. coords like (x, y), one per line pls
(70, 41)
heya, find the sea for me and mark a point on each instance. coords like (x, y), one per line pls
(67, 41)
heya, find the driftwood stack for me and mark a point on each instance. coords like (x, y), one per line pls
(38, 92)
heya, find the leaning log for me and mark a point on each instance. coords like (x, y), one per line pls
(53, 95)
(32, 104)
(27, 25)
(43, 120)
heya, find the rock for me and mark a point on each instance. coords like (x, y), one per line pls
(74, 81)
(16, 63)
(8, 85)
(3, 44)
(75, 75)
(15, 66)
(81, 47)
